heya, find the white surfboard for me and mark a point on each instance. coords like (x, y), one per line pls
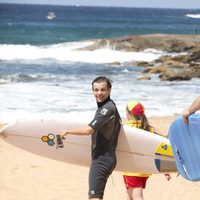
(137, 150)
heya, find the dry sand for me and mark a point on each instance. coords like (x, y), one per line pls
(25, 176)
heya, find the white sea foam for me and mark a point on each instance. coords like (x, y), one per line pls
(196, 16)
(67, 52)
(33, 100)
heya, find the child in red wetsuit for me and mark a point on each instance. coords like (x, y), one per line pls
(136, 182)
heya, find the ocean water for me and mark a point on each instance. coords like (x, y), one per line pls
(42, 74)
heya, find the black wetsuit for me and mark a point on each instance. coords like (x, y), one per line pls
(106, 124)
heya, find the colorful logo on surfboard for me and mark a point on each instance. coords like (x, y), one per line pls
(164, 150)
(49, 139)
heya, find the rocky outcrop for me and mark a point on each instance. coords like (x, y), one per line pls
(164, 42)
(184, 66)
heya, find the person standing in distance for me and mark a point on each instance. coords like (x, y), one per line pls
(104, 130)
(191, 109)
(135, 183)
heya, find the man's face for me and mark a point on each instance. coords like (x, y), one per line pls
(101, 91)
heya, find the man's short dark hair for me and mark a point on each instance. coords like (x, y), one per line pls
(101, 79)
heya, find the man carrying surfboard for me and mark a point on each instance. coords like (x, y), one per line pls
(104, 130)
(191, 109)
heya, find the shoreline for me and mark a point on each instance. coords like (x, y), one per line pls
(26, 176)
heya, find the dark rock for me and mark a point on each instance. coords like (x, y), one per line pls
(144, 78)
(165, 65)
(180, 58)
(115, 63)
(143, 64)
(195, 71)
(194, 56)
(173, 64)
(175, 75)
(155, 69)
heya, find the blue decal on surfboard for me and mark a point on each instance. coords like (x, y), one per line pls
(157, 162)
(185, 142)
(51, 142)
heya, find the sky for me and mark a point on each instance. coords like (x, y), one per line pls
(120, 3)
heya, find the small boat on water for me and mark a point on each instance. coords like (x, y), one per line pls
(51, 15)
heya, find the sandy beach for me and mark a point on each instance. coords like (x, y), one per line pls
(25, 176)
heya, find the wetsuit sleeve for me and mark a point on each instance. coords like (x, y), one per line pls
(103, 115)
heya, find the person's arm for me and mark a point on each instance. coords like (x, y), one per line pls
(191, 109)
(85, 130)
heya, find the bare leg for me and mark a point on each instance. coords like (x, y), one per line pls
(138, 194)
(129, 193)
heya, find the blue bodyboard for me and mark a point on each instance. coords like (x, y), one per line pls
(185, 143)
